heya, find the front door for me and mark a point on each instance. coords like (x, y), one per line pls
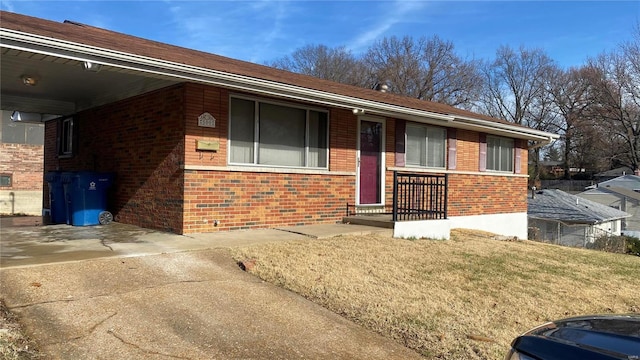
(370, 169)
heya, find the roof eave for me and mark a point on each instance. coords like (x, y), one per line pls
(56, 47)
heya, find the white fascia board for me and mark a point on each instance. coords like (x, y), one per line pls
(55, 47)
(542, 135)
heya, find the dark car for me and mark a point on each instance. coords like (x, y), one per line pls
(587, 338)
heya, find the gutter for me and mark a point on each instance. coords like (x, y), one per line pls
(60, 48)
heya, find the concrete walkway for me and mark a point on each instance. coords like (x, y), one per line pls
(172, 297)
(25, 241)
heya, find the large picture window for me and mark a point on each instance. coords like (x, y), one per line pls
(426, 146)
(270, 134)
(499, 154)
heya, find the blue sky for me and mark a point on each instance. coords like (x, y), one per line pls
(261, 31)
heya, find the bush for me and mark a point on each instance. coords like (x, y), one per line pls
(632, 245)
(614, 244)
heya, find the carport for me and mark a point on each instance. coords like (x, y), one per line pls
(43, 79)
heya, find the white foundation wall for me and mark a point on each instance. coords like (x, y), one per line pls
(511, 225)
(428, 229)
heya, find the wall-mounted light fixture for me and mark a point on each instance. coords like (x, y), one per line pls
(90, 66)
(357, 111)
(16, 116)
(30, 117)
(29, 80)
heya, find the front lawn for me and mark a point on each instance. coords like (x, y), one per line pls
(465, 298)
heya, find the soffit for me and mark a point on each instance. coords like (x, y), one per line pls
(63, 86)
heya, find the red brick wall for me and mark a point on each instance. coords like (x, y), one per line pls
(486, 194)
(149, 139)
(247, 199)
(141, 139)
(243, 200)
(24, 163)
(471, 192)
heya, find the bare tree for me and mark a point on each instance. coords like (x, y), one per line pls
(335, 64)
(426, 69)
(515, 86)
(515, 89)
(570, 94)
(615, 79)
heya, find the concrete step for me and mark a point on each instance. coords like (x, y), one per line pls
(381, 221)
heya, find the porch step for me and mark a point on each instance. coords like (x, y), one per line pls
(381, 221)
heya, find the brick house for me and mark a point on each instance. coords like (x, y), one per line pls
(201, 143)
(21, 164)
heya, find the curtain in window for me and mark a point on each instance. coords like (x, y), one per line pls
(499, 154)
(317, 139)
(416, 145)
(282, 134)
(435, 146)
(426, 146)
(242, 131)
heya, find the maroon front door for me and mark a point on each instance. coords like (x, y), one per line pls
(370, 162)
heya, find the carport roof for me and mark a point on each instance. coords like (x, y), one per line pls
(138, 65)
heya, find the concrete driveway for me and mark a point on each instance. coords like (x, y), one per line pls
(169, 301)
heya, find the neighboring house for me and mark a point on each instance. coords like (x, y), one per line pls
(561, 218)
(552, 168)
(201, 143)
(613, 173)
(21, 163)
(622, 193)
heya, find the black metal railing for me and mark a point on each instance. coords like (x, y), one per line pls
(419, 196)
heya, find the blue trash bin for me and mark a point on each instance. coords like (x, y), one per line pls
(86, 196)
(57, 202)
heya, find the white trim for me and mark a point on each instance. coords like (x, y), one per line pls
(256, 143)
(382, 157)
(60, 48)
(457, 172)
(264, 169)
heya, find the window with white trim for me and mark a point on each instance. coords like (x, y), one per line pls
(66, 135)
(499, 154)
(426, 146)
(272, 134)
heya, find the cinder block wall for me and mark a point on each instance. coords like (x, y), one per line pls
(141, 139)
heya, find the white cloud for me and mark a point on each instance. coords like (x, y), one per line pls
(7, 5)
(393, 14)
(243, 30)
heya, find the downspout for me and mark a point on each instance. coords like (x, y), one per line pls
(542, 143)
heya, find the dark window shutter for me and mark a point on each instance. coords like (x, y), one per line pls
(483, 152)
(517, 147)
(452, 149)
(401, 127)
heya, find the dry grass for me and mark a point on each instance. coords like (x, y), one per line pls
(466, 298)
(14, 345)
